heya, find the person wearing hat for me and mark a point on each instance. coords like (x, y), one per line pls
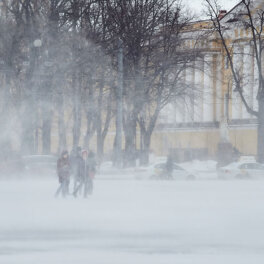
(63, 172)
(77, 164)
(78, 171)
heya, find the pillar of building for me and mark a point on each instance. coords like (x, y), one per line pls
(198, 93)
(208, 90)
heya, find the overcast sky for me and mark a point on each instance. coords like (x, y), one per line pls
(198, 5)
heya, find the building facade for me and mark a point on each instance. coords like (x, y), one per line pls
(194, 125)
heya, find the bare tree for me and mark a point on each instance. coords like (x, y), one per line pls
(163, 72)
(25, 16)
(249, 16)
(9, 57)
(99, 74)
(151, 36)
(52, 84)
(75, 67)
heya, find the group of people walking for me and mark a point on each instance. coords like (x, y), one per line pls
(81, 165)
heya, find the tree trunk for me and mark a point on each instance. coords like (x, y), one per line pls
(76, 111)
(146, 134)
(46, 131)
(88, 136)
(100, 149)
(29, 116)
(46, 118)
(76, 82)
(61, 125)
(99, 139)
(260, 145)
(146, 139)
(130, 144)
(5, 141)
(107, 122)
(90, 113)
(28, 129)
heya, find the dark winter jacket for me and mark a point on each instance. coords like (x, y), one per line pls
(77, 167)
(63, 168)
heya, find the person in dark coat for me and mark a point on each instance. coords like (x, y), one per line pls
(78, 171)
(77, 164)
(63, 172)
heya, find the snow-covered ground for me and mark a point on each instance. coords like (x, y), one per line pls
(128, 222)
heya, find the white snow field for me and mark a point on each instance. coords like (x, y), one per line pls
(128, 222)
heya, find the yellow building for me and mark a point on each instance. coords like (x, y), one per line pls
(194, 125)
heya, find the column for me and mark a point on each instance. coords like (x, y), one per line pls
(198, 93)
(218, 92)
(236, 100)
(255, 85)
(189, 104)
(208, 110)
(247, 80)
